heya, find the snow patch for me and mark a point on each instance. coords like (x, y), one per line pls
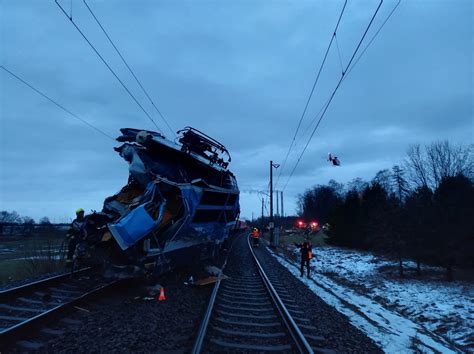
(418, 306)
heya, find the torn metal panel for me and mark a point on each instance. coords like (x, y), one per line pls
(178, 206)
(137, 168)
(139, 222)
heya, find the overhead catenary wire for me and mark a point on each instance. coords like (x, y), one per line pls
(340, 56)
(107, 65)
(308, 128)
(333, 94)
(55, 102)
(128, 67)
(373, 37)
(311, 92)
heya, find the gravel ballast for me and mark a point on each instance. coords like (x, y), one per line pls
(339, 335)
(128, 319)
(125, 322)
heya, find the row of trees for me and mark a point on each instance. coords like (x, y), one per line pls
(422, 210)
(13, 224)
(15, 218)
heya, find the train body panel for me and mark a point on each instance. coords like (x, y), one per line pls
(178, 206)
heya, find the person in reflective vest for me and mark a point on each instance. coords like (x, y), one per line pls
(255, 236)
(306, 255)
(75, 233)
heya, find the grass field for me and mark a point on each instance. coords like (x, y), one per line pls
(28, 257)
(318, 239)
(287, 238)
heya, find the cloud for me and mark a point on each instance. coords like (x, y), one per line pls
(241, 72)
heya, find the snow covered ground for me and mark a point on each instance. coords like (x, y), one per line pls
(401, 315)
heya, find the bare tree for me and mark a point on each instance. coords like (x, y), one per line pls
(416, 165)
(438, 160)
(7, 217)
(337, 187)
(447, 160)
(357, 184)
(383, 177)
(45, 221)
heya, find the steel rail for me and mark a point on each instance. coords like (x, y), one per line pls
(296, 334)
(9, 334)
(207, 316)
(204, 324)
(12, 292)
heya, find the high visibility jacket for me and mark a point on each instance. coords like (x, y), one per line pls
(306, 250)
(255, 234)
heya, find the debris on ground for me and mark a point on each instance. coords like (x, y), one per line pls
(210, 280)
(153, 290)
(190, 281)
(213, 270)
(81, 309)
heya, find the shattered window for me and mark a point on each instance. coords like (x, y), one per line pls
(153, 207)
(213, 198)
(207, 216)
(232, 199)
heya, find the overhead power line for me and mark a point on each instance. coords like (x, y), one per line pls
(333, 93)
(107, 65)
(56, 103)
(340, 56)
(128, 67)
(375, 35)
(308, 128)
(311, 92)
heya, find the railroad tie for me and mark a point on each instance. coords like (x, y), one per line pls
(269, 348)
(247, 303)
(257, 317)
(236, 308)
(37, 302)
(249, 334)
(248, 324)
(18, 308)
(13, 318)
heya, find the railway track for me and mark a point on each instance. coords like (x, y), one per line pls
(246, 313)
(28, 306)
(318, 343)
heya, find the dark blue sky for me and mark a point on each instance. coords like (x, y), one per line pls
(241, 72)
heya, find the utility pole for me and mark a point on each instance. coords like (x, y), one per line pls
(262, 221)
(281, 201)
(271, 224)
(278, 203)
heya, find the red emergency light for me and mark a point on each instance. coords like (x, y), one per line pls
(300, 224)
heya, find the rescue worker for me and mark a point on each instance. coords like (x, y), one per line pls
(75, 233)
(306, 255)
(255, 236)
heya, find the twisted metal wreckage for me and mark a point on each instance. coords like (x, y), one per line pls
(177, 208)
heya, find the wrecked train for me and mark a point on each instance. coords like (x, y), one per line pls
(177, 208)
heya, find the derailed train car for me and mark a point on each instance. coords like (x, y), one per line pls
(177, 208)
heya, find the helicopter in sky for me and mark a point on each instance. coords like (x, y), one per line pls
(334, 160)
